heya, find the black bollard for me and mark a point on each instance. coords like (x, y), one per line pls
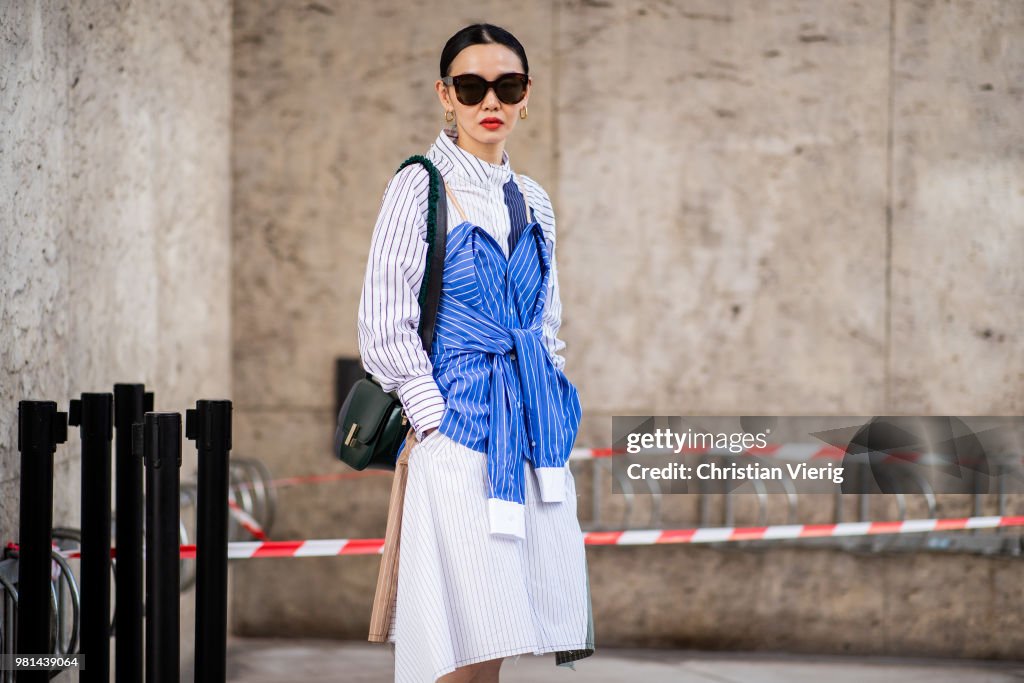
(209, 424)
(159, 440)
(130, 403)
(94, 415)
(40, 429)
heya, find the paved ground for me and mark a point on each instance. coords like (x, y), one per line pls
(319, 661)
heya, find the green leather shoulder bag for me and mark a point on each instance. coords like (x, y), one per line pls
(372, 424)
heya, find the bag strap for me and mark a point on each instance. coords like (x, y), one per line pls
(458, 207)
(437, 234)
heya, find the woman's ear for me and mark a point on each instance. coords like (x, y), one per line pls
(442, 95)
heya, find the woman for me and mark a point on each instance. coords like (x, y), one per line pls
(492, 559)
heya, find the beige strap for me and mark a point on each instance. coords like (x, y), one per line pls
(382, 613)
(455, 202)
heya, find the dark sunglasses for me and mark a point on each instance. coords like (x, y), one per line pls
(471, 89)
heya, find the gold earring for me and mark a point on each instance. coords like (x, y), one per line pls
(522, 113)
(449, 116)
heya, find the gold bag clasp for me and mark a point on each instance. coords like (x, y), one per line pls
(351, 434)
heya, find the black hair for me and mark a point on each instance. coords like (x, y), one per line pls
(480, 34)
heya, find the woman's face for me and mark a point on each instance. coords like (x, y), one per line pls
(489, 61)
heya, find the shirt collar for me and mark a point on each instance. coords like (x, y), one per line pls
(450, 158)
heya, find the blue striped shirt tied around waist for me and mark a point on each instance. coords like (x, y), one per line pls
(503, 395)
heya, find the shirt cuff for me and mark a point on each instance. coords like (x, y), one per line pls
(423, 403)
(552, 483)
(507, 518)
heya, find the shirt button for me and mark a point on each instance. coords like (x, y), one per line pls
(512, 355)
(533, 443)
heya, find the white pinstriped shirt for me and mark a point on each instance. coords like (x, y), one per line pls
(389, 312)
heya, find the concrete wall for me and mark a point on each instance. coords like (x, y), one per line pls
(763, 208)
(787, 207)
(114, 238)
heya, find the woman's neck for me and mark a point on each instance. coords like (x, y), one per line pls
(491, 153)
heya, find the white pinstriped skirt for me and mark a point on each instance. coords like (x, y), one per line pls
(465, 596)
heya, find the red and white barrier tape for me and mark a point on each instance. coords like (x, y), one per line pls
(785, 451)
(789, 531)
(247, 521)
(799, 452)
(372, 546)
(322, 478)
(794, 452)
